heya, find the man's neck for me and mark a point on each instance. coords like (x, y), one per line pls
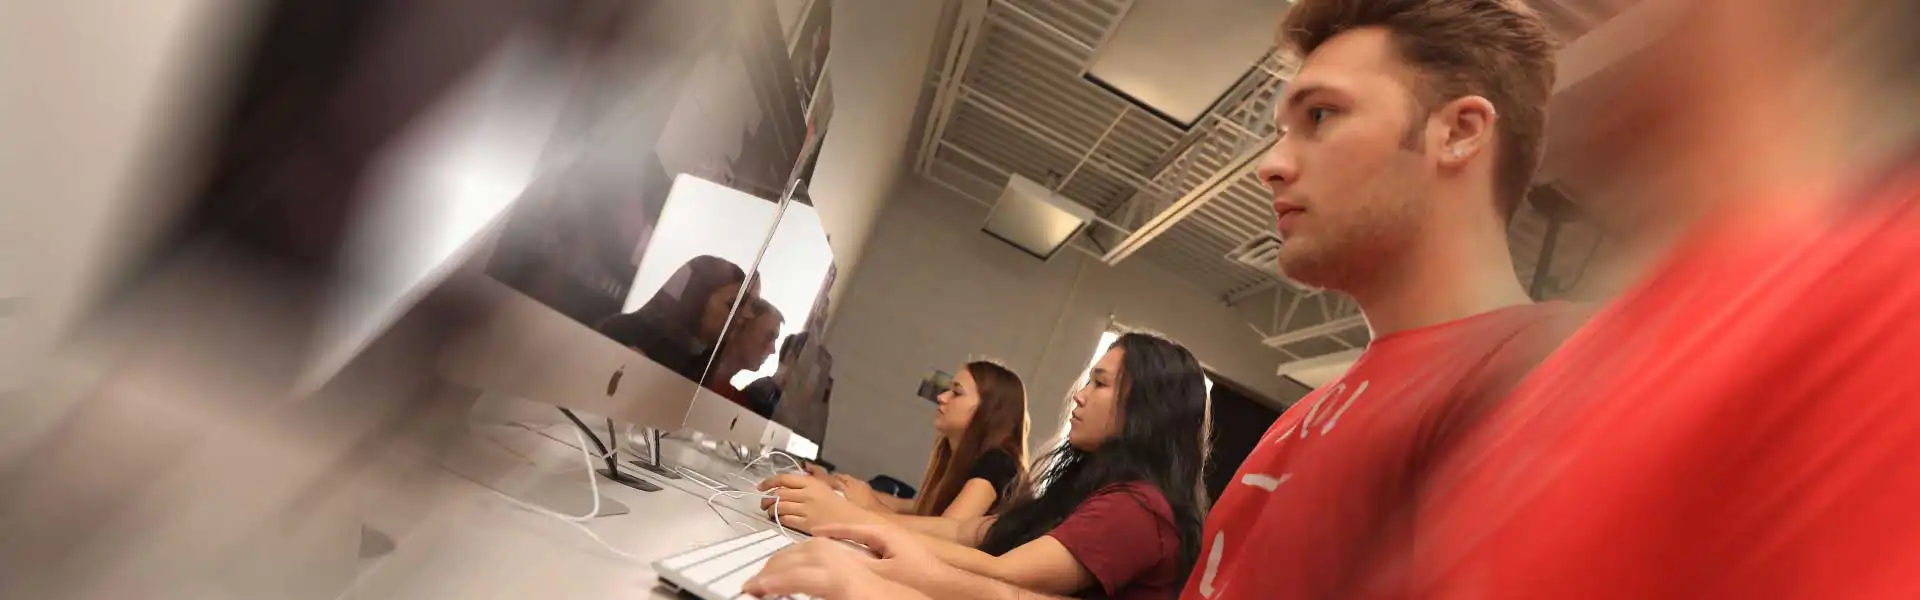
(1440, 283)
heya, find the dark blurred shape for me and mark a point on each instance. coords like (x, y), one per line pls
(764, 392)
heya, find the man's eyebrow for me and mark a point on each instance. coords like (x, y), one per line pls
(1297, 94)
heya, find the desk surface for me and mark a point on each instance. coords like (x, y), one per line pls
(472, 543)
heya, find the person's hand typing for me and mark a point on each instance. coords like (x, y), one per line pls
(858, 492)
(819, 471)
(833, 570)
(806, 502)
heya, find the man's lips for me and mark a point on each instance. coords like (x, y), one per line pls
(1285, 214)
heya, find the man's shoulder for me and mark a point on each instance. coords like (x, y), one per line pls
(1536, 330)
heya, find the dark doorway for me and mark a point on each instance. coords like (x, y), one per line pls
(1240, 418)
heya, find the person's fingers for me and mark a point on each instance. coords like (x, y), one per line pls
(786, 480)
(784, 495)
(815, 581)
(785, 508)
(795, 522)
(793, 557)
(879, 538)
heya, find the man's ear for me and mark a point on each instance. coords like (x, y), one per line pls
(1467, 124)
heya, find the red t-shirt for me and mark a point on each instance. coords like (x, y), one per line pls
(1124, 535)
(1743, 424)
(1331, 483)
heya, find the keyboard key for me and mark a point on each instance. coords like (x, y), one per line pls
(696, 556)
(723, 565)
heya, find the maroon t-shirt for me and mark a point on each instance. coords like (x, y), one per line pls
(1124, 536)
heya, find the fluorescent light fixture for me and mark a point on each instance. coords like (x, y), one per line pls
(1034, 219)
(1177, 59)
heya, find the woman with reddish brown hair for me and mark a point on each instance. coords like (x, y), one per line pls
(979, 458)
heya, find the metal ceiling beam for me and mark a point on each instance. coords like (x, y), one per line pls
(968, 29)
(1091, 149)
(1192, 201)
(1321, 361)
(1243, 294)
(1009, 172)
(1046, 134)
(1327, 328)
(1049, 27)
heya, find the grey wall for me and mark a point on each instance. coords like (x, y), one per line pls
(933, 292)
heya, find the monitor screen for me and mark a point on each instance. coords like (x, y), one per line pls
(655, 206)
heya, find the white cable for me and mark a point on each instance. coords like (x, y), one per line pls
(776, 470)
(737, 494)
(579, 522)
(593, 483)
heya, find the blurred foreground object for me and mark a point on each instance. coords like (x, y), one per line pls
(216, 354)
(1741, 421)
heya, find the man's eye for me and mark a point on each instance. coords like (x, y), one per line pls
(1317, 115)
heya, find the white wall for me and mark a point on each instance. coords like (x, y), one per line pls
(933, 291)
(878, 71)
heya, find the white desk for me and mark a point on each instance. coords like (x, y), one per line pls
(471, 543)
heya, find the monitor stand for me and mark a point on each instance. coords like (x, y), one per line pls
(651, 462)
(503, 463)
(612, 470)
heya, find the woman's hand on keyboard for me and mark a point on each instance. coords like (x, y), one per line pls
(859, 493)
(902, 556)
(805, 502)
(826, 569)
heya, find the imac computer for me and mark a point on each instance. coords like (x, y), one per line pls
(631, 267)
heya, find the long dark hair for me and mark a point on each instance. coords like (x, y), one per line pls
(1162, 442)
(682, 299)
(1000, 423)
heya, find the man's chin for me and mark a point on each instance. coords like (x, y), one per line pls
(1308, 269)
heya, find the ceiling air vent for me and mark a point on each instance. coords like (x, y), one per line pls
(1262, 252)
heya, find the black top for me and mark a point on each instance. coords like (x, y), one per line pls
(999, 469)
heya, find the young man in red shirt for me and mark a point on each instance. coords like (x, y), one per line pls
(1407, 140)
(1409, 136)
(1743, 422)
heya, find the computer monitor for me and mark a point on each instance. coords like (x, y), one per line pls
(648, 233)
(789, 386)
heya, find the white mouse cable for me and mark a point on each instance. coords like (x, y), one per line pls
(578, 522)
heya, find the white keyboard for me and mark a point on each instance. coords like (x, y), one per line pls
(718, 571)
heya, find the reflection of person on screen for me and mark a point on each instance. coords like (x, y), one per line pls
(748, 345)
(682, 323)
(765, 391)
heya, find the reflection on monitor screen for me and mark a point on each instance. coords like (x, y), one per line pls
(796, 263)
(577, 254)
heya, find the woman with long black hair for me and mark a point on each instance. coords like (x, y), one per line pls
(1116, 510)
